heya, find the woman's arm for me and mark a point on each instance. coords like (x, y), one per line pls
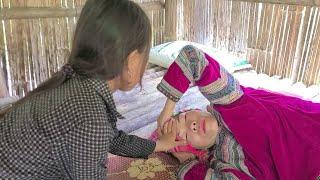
(131, 145)
(134, 146)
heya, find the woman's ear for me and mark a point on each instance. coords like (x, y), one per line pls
(131, 72)
(131, 66)
(133, 60)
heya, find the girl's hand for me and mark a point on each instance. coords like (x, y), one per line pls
(167, 139)
(166, 112)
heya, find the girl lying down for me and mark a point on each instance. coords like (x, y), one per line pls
(247, 133)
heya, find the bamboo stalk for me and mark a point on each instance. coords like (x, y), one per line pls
(314, 66)
(300, 44)
(29, 56)
(252, 34)
(12, 49)
(294, 30)
(171, 10)
(235, 26)
(3, 84)
(245, 25)
(280, 40)
(214, 22)
(21, 58)
(253, 21)
(265, 61)
(46, 12)
(276, 38)
(311, 36)
(271, 33)
(35, 51)
(70, 22)
(43, 51)
(2, 45)
(285, 43)
(261, 24)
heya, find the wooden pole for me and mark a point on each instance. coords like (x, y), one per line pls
(286, 2)
(3, 84)
(300, 44)
(44, 12)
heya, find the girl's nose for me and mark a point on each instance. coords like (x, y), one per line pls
(193, 126)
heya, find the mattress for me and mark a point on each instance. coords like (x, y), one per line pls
(142, 106)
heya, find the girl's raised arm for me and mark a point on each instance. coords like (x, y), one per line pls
(192, 66)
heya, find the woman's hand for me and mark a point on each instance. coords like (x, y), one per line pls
(167, 139)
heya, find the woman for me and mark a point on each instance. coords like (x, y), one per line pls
(250, 134)
(65, 128)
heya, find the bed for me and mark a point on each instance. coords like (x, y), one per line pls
(142, 106)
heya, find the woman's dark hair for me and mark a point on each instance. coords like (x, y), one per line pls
(106, 33)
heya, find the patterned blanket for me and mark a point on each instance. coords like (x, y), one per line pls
(159, 166)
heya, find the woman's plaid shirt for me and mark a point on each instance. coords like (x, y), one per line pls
(65, 133)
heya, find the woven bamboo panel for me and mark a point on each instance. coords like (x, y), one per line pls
(37, 47)
(277, 37)
(285, 42)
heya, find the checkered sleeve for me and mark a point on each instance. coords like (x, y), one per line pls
(131, 145)
(87, 144)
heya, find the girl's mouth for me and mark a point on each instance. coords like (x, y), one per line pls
(178, 138)
(203, 126)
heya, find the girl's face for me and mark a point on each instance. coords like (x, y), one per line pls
(198, 128)
(132, 74)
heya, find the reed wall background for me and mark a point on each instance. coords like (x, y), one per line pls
(278, 37)
(34, 42)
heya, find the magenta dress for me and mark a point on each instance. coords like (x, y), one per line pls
(278, 135)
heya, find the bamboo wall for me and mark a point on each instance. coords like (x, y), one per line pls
(278, 37)
(36, 36)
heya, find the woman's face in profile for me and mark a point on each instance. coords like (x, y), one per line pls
(198, 128)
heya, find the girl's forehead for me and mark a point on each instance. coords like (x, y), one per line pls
(197, 113)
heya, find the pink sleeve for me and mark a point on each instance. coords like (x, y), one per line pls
(192, 66)
(211, 72)
(174, 83)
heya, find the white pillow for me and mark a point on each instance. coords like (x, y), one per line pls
(164, 54)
